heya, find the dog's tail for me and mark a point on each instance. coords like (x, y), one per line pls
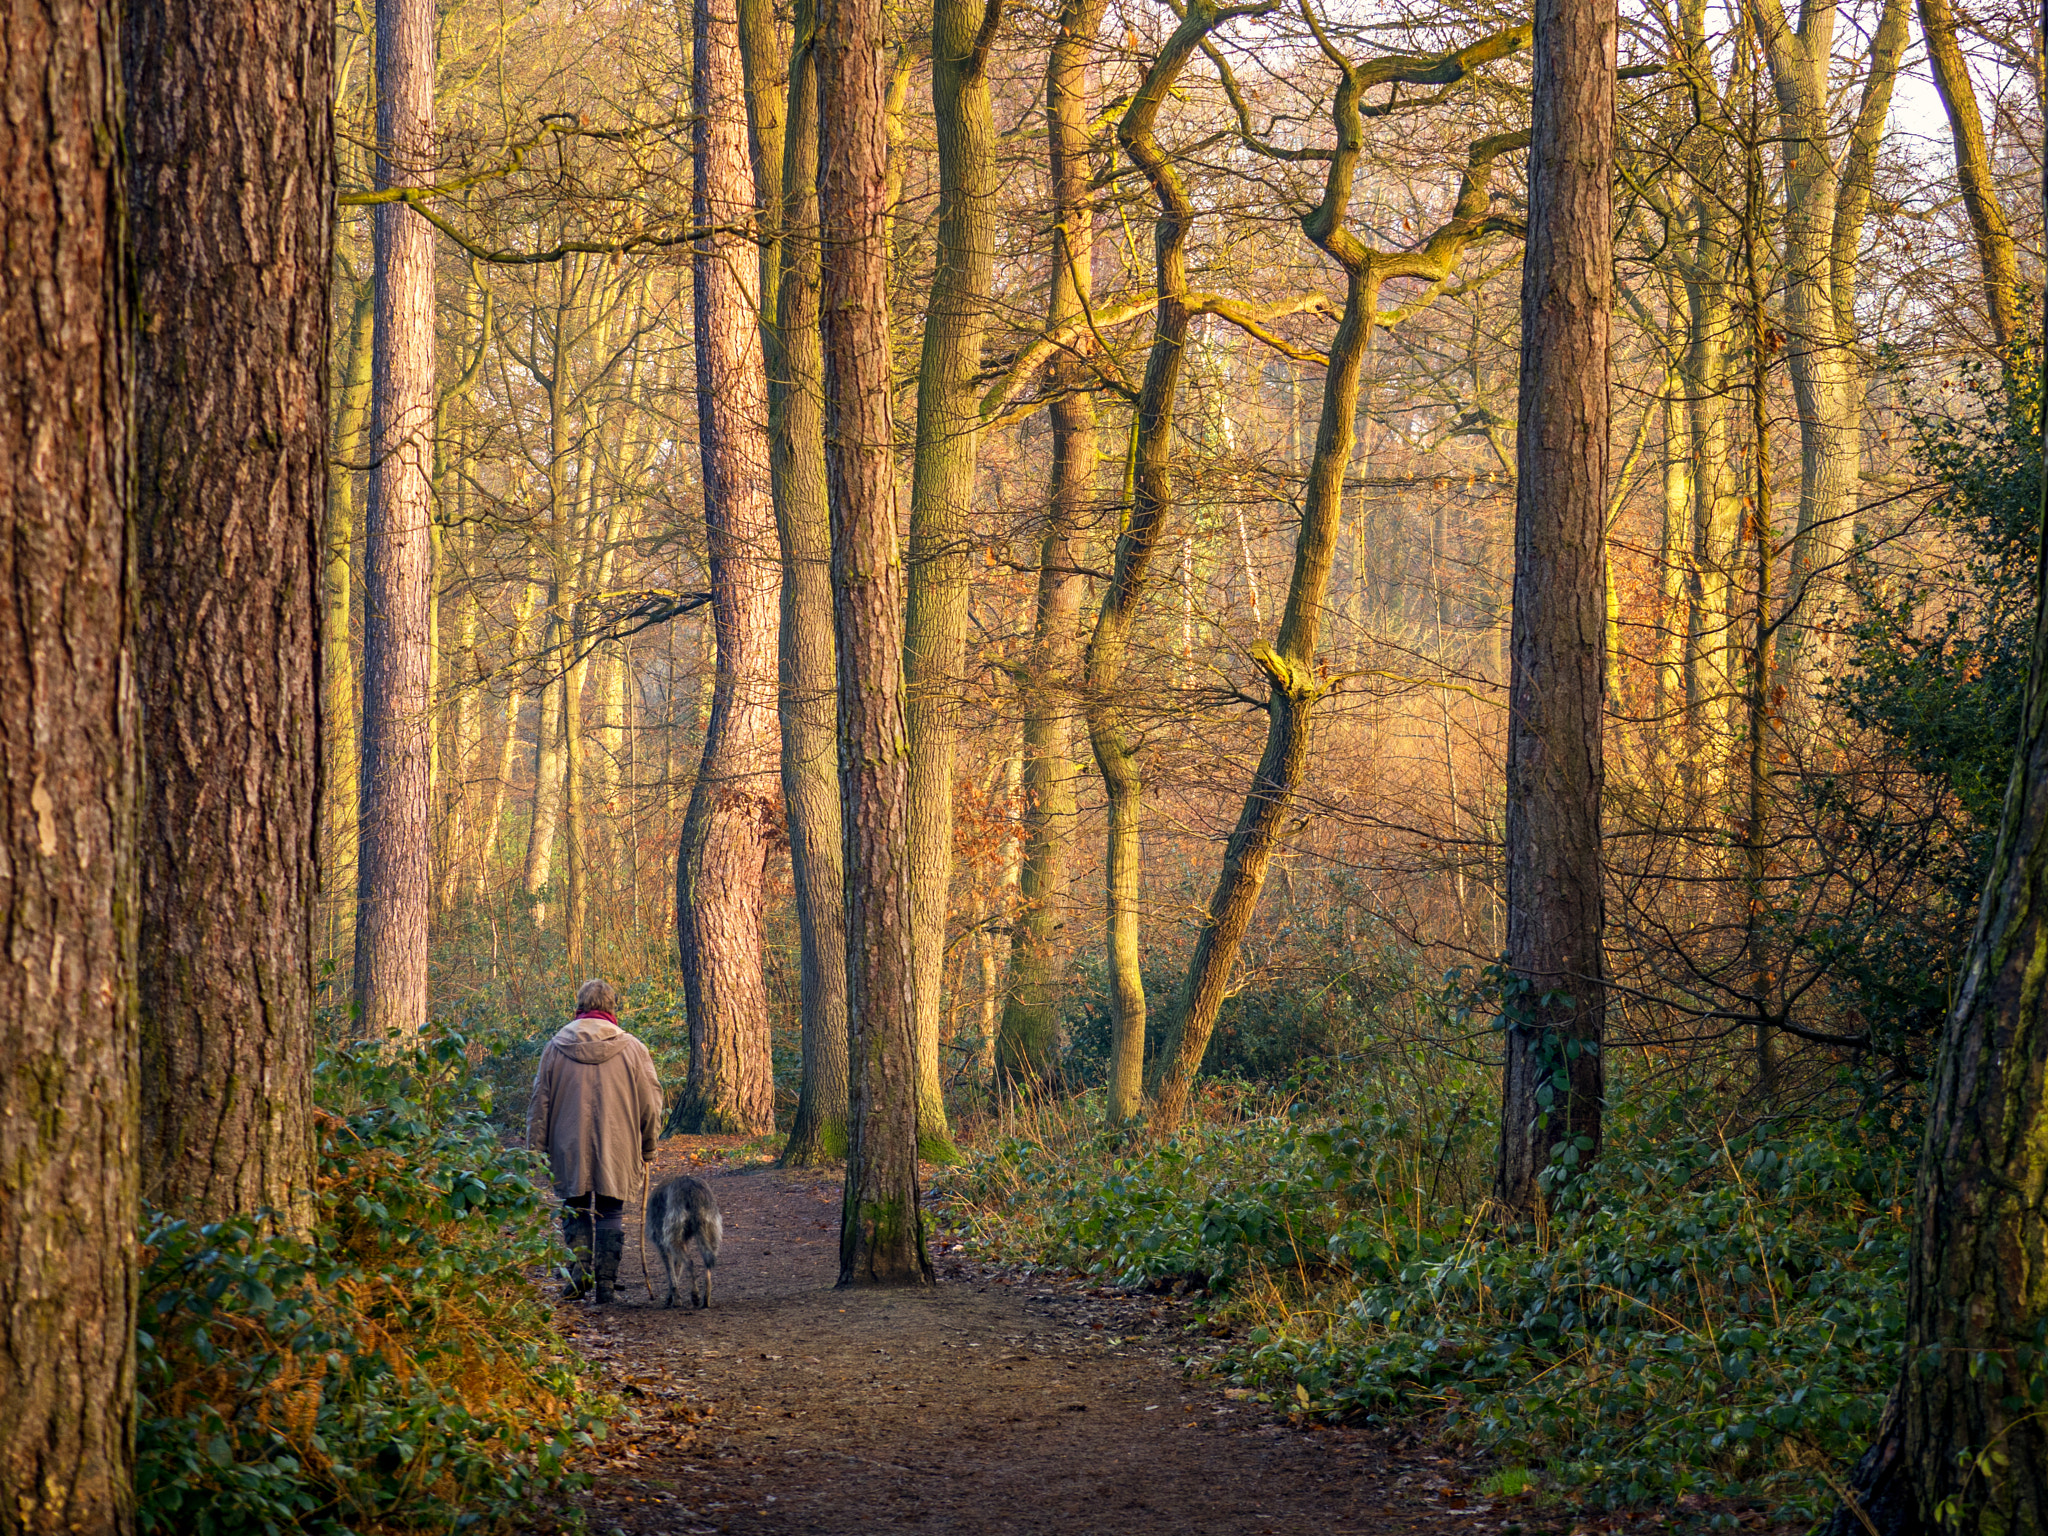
(714, 1233)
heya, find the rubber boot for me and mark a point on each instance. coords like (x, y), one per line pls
(611, 1248)
(576, 1233)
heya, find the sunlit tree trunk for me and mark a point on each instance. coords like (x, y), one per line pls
(941, 494)
(882, 1237)
(1027, 1040)
(69, 760)
(492, 830)
(1152, 494)
(393, 874)
(1674, 554)
(339, 789)
(1556, 688)
(730, 825)
(1294, 681)
(231, 214)
(1826, 192)
(1988, 224)
(810, 738)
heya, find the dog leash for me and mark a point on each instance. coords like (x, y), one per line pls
(646, 1180)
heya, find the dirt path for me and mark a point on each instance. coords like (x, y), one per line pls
(995, 1404)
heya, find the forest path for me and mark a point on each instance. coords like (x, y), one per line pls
(996, 1404)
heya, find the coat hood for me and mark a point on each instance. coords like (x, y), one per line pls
(590, 1041)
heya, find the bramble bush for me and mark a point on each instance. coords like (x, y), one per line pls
(394, 1371)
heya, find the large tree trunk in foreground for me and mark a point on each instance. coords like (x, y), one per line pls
(393, 873)
(1557, 684)
(810, 732)
(68, 764)
(1027, 1043)
(941, 491)
(881, 1236)
(730, 825)
(232, 177)
(1963, 1445)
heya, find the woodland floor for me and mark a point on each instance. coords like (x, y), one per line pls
(1001, 1402)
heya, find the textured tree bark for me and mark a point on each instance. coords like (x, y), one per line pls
(1293, 682)
(394, 877)
(881, 1236)
(68, 765)
(231, 183)
(731, 823)
(941, 491)
(339, 737)
(1553, 1082)
(1027, 1041)
(1995, 249)
(810, 735)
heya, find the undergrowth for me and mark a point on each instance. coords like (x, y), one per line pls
(1708, 1314)
(395, 1370)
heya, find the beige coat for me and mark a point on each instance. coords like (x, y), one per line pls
(596, 1109)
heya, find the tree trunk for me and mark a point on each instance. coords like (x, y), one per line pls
(1825, 194)
(810, 738)
(1674, 552)
(393, 872)
(231, 132)
(1027, 1042)
(941, 491)
(508, 743)
(1150, 483)
(1995, 249)
(1963, 1445)
(1556, 687)
(1294, 683)
(68, 765)
(882, 1237)
(339, 737)
(730, 825)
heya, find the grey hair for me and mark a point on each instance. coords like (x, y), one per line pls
(597, 995)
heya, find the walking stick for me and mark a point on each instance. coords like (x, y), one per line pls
(646, 1179)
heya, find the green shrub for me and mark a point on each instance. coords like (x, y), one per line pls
(1712, 1317)
(1709, 1316)
(394, 1372)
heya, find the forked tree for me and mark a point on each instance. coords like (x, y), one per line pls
(231, 213)
(881, 1238)
(1294, 680)
(1555, 1005)
(68, 765)
(393, 874)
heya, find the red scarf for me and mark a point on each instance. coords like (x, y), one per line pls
(597, 1013)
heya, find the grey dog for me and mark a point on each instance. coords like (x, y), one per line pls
(679, 1213)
